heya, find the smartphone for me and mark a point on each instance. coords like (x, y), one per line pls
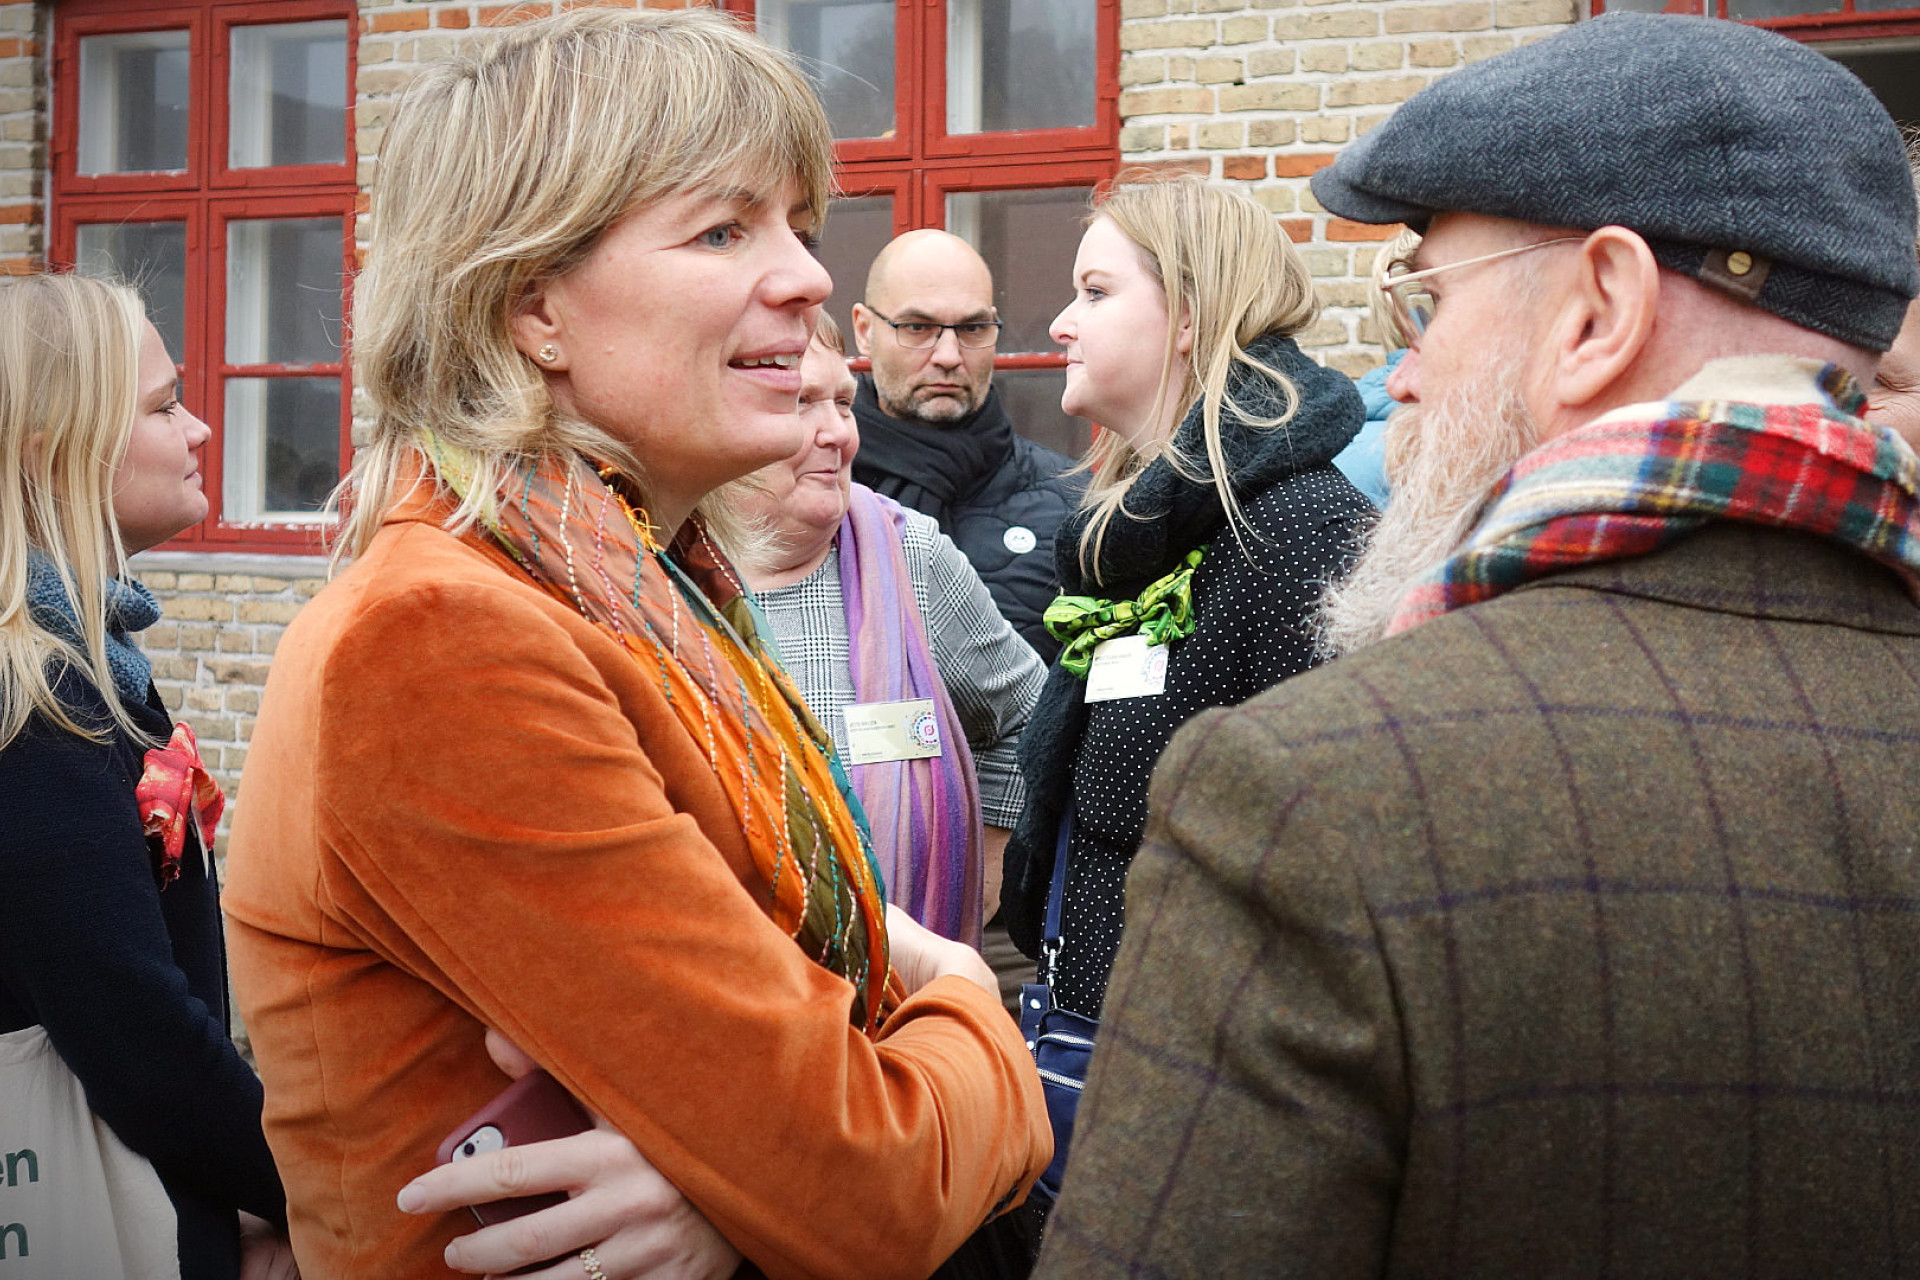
(534, 1108)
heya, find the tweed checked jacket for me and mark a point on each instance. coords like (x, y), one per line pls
(1576, 933)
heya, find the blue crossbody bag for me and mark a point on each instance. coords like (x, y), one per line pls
(1061, 1040)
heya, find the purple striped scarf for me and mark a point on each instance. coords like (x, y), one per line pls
(925, 813)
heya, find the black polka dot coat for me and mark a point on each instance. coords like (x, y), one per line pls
(1254, 594)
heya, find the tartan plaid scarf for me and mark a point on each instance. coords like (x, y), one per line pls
(1641, 477)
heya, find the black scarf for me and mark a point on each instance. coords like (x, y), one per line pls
(926, 467)
(1172, 513)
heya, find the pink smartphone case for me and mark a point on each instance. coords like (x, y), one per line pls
(534, 1108)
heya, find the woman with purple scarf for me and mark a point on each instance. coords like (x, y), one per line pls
(898, 648)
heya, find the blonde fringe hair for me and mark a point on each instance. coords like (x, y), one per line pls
(827, 333)
(1224, 262)
(69, 385)
(501, 171)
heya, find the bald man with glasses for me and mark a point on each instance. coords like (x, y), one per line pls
(934, 434)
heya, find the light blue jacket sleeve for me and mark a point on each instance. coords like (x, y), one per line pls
(1364, 461)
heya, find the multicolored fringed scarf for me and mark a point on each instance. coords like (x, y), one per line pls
(1629, 483)
(1164, 611)
(684, 617)
(925, 813)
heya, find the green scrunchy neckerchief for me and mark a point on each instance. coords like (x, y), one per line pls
(1164, 612)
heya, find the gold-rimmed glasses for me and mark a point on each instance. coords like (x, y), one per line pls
(1407, 292)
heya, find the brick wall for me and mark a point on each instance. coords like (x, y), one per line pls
(1266, 91)
(224, 615)
(23, 136)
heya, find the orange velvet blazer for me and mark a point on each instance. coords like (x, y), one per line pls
(465, 806)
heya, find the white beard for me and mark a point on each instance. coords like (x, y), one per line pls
(1442, 460)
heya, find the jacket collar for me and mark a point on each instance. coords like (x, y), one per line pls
(1756, 572)
(1770, 379)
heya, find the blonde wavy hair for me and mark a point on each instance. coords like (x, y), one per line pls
(69, 386)
(1400, 249)
(501, 171)
(1224, 263)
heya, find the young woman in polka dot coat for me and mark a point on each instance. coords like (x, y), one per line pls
(1220, 435)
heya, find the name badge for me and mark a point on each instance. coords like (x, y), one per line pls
(1127, 667)
(882, 731)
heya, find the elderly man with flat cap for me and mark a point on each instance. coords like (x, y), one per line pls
(1569, 925)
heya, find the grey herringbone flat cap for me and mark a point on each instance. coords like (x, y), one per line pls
(1746, 160)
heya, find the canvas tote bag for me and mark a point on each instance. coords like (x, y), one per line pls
(74, 1200)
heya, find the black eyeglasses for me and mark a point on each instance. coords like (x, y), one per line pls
(918, 335)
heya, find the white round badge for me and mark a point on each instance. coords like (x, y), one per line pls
(1020, 539)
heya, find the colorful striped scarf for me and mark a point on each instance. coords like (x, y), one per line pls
(925, 813)
(683, 617)
(1638, 478)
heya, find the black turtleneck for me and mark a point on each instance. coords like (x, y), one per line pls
(998, 495)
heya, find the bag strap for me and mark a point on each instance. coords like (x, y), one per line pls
(1050, 931)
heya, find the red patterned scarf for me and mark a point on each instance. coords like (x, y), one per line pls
(175, 789)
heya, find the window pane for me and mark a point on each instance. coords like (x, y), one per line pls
(133, 102)
(281, 448)
(1779, 8)
(1028, 238)
(288, 95)
(1032, 399)
(151, 256)
(847, 47)
(1020, 64)
(283, 291)
(856, 232)
(1893, 73)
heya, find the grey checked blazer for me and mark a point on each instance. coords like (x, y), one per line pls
(1573, 934)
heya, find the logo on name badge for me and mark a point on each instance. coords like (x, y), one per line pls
(1020, 539)
(926, 730)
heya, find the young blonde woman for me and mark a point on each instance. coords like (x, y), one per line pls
(525, 764)
(112, 973)
(1212, 524)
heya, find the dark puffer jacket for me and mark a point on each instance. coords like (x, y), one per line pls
(988, 488)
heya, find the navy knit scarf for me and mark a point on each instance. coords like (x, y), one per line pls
(130, 607)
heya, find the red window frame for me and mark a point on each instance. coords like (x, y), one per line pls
(1845, 23)
(206, 197)
(922, 163)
